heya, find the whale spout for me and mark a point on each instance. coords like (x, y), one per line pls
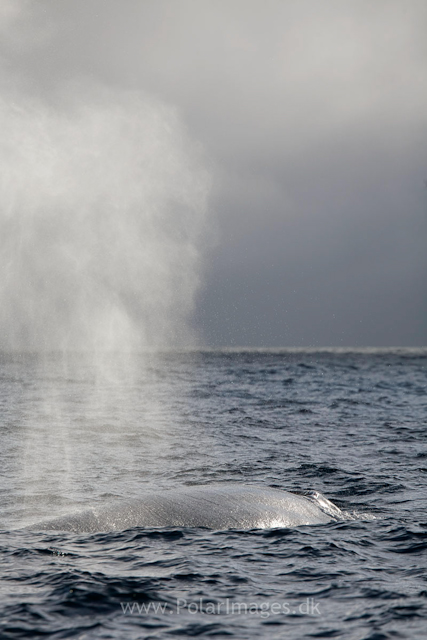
(217, 507)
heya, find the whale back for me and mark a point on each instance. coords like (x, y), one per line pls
(214, 507)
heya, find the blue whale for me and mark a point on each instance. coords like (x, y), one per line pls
(217, 507)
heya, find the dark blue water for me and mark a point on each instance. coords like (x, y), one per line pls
(350, 425)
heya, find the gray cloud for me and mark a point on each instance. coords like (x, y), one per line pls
(314, 115)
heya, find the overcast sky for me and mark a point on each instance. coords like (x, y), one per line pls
(312, 115)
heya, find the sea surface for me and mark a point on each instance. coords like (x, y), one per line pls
(349, 424)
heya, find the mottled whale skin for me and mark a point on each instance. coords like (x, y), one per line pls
(217, 507)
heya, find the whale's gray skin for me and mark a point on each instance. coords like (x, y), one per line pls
(217, 507)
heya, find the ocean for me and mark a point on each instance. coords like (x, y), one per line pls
(350, 424)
